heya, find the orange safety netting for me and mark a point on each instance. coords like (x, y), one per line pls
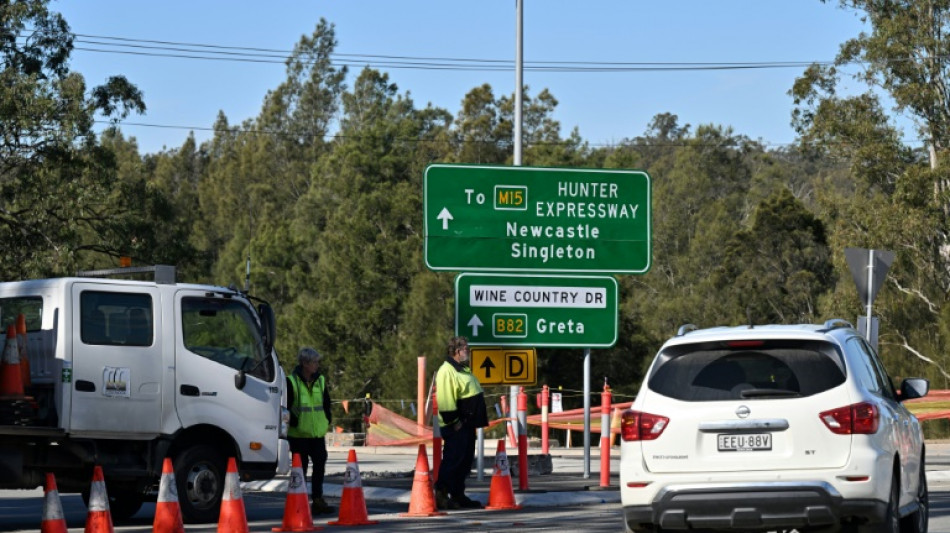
(387, 428)
(573, 419)
(934, 406)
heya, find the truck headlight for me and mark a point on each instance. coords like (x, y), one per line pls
(284, 422)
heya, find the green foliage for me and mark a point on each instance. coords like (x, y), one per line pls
(897, 197)
(323, 191)
(61, 207)
(775, 270)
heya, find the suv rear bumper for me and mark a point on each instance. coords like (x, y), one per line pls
(748, 506)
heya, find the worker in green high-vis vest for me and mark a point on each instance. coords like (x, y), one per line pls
(461, 412)
(308, 399)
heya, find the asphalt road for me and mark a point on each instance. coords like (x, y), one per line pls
(22, 512)
(385, 473)
(19, 512)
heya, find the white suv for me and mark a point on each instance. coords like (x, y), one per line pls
(772, 427)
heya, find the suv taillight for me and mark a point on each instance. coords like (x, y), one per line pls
(635, 425)
(859, 418)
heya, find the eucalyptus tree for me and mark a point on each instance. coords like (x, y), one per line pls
(362, 221)
(541, 135)
(775, 269)
(483, 136)
(259, 171)
(55, 180)
(176, 174)
(898, 199)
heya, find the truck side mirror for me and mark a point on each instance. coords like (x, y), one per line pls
(240, 379)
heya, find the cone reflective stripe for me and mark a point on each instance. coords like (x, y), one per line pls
(352, 504)
(21, 349)
(98, 520)
(297, 515)
(232, 518)
(167, 511)
(53, 519)
(502, 495)
(11, 377)
(422, 500)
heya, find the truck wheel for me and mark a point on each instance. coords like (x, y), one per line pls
(199, 472)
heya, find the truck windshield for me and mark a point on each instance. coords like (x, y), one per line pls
(226, 332)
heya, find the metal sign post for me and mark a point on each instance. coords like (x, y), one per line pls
(869, 270)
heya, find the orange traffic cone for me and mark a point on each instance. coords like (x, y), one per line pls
(11, 377)
(232, 518)
(502, 495)
(422, 500)
(21, 349)
(297, 515)
(99, 520)
(352, 503)
(53, 519)
(167, 511)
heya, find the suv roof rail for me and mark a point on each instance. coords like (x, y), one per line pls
(164, 274)
(833, 323)
(686, 328)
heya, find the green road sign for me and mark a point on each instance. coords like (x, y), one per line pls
(531, 219)
(523, 310)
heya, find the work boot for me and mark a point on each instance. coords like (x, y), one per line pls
(320, 506)
(467, 503)
(443, 502)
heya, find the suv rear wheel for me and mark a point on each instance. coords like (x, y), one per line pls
(917, 522)
(891, 522)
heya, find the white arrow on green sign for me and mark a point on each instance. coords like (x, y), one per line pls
(542, 311)
(532, 219)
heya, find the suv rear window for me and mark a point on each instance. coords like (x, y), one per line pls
(708, 372)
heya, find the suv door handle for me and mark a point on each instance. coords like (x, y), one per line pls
(189, 390)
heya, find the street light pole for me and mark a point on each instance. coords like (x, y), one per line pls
(519, 25)
(519, 84)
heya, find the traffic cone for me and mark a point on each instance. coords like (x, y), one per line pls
(11, 377)
(297, 515)
(232, 518)
(53, 519)
(167, 511)
(21, 348)
(352, 503)
(99, 520)
(502, 495)
(422, 500)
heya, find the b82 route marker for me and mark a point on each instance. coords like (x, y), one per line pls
(533, 219)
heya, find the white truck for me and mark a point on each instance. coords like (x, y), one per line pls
(125, 373)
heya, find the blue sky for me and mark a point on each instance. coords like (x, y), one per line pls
(182, 94)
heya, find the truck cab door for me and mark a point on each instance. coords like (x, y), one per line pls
(117, 360)
(217, 337)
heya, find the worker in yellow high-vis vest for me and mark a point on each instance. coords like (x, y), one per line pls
(308, 399)
(461, 411)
